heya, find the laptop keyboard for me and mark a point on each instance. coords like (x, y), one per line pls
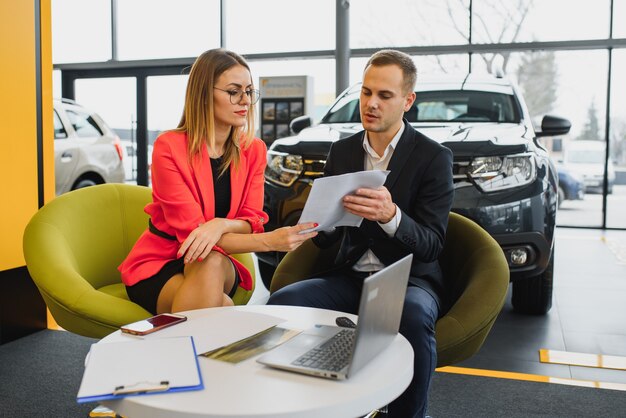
(333, 355)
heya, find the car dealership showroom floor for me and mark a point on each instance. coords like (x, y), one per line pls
(582, 340)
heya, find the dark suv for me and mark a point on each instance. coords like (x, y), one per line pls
(503, 176)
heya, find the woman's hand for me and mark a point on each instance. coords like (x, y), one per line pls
(201, 240)
(289, 238)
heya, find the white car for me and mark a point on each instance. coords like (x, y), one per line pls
(86, 150)
(586, 159)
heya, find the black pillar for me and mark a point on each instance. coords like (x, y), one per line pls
(342, 40)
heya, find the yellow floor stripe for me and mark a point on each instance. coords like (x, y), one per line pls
(582, 359)
(532, 378)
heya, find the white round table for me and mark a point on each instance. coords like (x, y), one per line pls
(249, 389)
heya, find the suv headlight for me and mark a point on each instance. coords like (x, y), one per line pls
(493, 174)
(282, 168)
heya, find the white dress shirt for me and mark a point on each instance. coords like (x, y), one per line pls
(373, 161)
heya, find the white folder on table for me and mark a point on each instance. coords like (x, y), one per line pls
(143, 366)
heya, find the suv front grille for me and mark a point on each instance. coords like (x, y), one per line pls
(459, 170)
(313, 168)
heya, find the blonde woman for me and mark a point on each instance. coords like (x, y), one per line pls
(207, 189)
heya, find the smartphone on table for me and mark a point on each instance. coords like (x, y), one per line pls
(155, 323)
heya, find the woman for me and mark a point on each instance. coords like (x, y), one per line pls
(207, 189)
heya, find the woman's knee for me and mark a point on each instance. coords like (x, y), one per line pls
(216, 261)
(212, 270)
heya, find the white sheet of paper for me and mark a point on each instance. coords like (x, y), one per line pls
(324, 204)
(212, 330)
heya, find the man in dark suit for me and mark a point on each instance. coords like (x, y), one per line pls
(408, 215)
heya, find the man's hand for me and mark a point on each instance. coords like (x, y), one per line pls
(371, 204)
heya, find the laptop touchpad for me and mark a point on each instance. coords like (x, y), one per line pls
(306, 340)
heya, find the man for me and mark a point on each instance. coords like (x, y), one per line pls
(409, 214)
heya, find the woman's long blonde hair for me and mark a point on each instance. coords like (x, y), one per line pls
(198, 120)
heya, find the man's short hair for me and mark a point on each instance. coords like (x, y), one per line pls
(402, 60)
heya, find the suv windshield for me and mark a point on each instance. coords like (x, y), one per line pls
(439, 106)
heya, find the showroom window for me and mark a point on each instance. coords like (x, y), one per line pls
(617, 137)
(619, 25)
(81, 31)
(258, 27)
(426, 65)
(379, 24)
(149, 29)
(556, 78)
(497, 21)
(166, 99)
(114, 100)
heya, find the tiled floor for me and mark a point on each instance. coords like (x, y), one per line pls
(588, 313)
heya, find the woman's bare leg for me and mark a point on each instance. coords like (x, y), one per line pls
(203, 285)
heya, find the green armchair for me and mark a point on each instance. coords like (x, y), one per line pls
(475, 272)
(73, 246)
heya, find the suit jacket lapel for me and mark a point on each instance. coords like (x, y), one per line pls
(401, 155)
(237, 183)
(357, 162)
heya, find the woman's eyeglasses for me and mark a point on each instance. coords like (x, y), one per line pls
(236, 96)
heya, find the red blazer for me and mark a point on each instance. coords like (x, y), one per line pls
(183, 198)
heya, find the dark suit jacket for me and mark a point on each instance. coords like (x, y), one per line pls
(420, 183)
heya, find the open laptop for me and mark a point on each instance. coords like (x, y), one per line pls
(336, 352)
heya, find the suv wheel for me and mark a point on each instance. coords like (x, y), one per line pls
(561, 196)
(534, 294)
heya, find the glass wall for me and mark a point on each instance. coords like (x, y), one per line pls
(426, 64)
(379, 24)
(258, 27)
(619, 23)
(563, 81)
(497, 21)
(81, 31)
(166, 99)
(616, 201)
(115, 101)
(150, 29)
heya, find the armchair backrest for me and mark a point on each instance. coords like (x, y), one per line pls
(72, 247)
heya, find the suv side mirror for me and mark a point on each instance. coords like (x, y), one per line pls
(299, 123)
(552, 125)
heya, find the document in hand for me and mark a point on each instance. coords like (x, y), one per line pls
(138, 367)
(325, 202)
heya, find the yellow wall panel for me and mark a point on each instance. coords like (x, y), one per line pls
(18, 122)
(46, 97)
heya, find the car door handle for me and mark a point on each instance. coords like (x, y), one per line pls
(66, 157)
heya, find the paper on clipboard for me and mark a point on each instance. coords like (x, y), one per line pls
(325, 205)
(138, 367)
